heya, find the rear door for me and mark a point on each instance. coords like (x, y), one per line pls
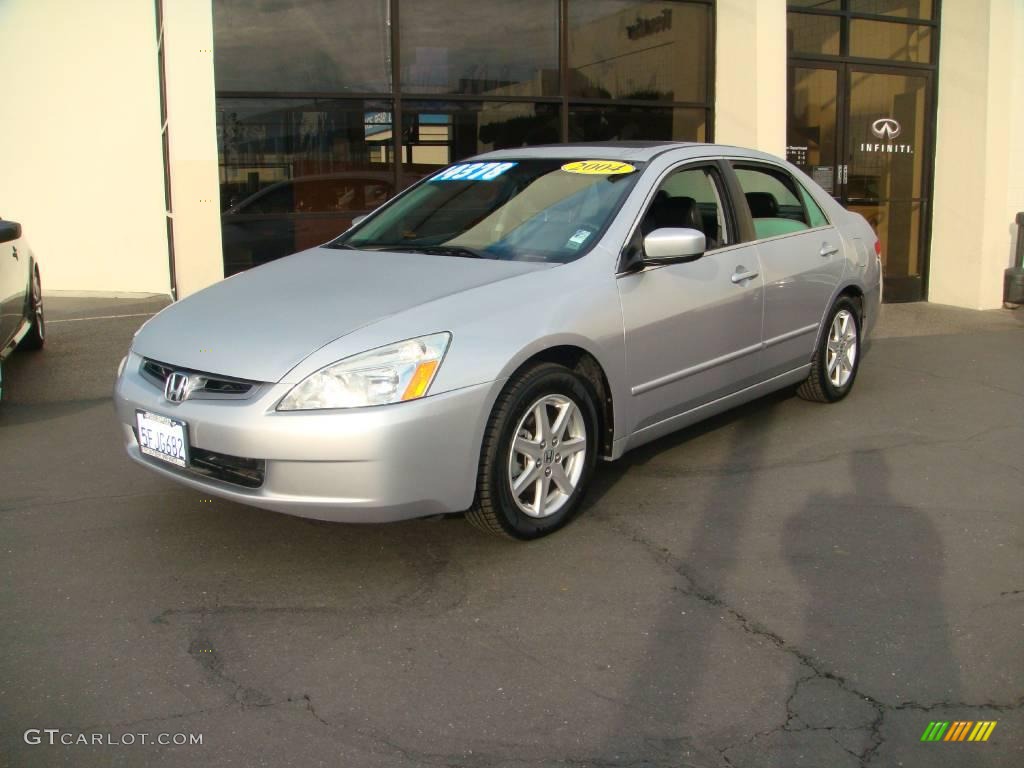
(692, 330)
(802, 262)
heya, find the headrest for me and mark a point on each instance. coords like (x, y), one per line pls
(763, 205)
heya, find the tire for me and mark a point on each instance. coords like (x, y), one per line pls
(837, 357)
(36, 336)
(566, 401)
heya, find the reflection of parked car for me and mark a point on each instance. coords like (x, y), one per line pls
(300, 213)
(480, 341)
(21, 296)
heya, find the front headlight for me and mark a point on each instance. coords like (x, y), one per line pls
(391, 374)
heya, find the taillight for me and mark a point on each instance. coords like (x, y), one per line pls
(878, 247)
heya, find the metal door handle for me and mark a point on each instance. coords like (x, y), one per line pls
(828, 250)
(739, 277)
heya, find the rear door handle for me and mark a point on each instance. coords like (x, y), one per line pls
(827, 249)
(741, 274)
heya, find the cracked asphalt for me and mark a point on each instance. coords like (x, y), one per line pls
(786, 585)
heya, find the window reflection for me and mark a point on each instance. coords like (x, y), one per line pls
(810, 33)
(294, 173)
(301, 45)
(636, 49)
(890, 41)
(622, 122)
(485, 47)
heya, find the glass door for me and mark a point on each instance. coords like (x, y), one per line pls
(863, 134)
(887, 159)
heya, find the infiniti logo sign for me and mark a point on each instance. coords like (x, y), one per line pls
(886, 128)
(176, 388)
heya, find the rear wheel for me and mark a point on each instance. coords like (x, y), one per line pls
(837, 358)
(538, 455)
(36, 336)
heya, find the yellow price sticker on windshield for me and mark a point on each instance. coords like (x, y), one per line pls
(598, 167)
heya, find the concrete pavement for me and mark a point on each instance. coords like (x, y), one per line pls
(787, 585)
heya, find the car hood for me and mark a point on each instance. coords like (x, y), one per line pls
(259, 324)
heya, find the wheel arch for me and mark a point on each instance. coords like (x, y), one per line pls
(585, 364)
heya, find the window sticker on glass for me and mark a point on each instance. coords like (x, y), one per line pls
(578, 239)
(473, 172)
(598, 167)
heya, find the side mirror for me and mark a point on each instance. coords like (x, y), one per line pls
(9, 230)
(358, 219)
(670, 245)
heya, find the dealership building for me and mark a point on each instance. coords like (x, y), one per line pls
(158, 147)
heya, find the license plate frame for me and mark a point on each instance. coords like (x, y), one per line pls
(151, 426)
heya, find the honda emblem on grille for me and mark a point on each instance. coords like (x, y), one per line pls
(176, 387)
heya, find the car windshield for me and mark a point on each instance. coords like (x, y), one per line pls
(520, 210)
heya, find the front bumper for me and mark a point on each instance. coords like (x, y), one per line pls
(377, 464)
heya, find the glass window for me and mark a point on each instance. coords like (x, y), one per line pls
(689, 198)
(815, 216)
(638, 49)
(301, 45)
(520, 210)
(439, 133)
(623, 122)
(773, 200)
(810, 33)
(816, 5)
(891, 41)
(486, 47)
(294, 172)
(909, 9)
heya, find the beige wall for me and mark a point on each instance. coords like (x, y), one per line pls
(750, 74)
(192, 128)
(979, 162)
(82, 164)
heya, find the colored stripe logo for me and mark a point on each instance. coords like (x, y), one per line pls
(959, 730)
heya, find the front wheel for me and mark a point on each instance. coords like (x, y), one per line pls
(538, 454)
(837, 358)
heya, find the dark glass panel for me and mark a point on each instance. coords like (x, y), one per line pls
(301, 45)
(636, 49)
(886, 135)
(811, 127)
(907, 9)
(890, 41)
(623, 122)
(816, 5)
(293, 173)
(480, 47)
(439, 133)
(809, 33)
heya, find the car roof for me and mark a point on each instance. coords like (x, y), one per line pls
(638, 151)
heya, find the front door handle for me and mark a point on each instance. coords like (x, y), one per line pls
(827, 249)
(742, 274)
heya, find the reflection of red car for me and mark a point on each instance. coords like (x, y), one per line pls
(296, 214)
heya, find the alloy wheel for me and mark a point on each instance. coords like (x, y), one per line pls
(547, 455)
(841, 348)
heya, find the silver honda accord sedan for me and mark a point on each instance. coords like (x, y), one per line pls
(477, 343)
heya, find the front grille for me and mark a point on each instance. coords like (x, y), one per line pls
(208, 386)
(248, 473)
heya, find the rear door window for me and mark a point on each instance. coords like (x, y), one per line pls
(776, 201)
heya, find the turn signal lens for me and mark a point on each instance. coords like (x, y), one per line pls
(420, 380)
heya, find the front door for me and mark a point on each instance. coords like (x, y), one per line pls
(863, 133)
(692, 330)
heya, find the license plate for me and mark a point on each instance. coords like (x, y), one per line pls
(162, 437)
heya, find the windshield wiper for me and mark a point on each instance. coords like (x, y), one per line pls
(447, 250)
